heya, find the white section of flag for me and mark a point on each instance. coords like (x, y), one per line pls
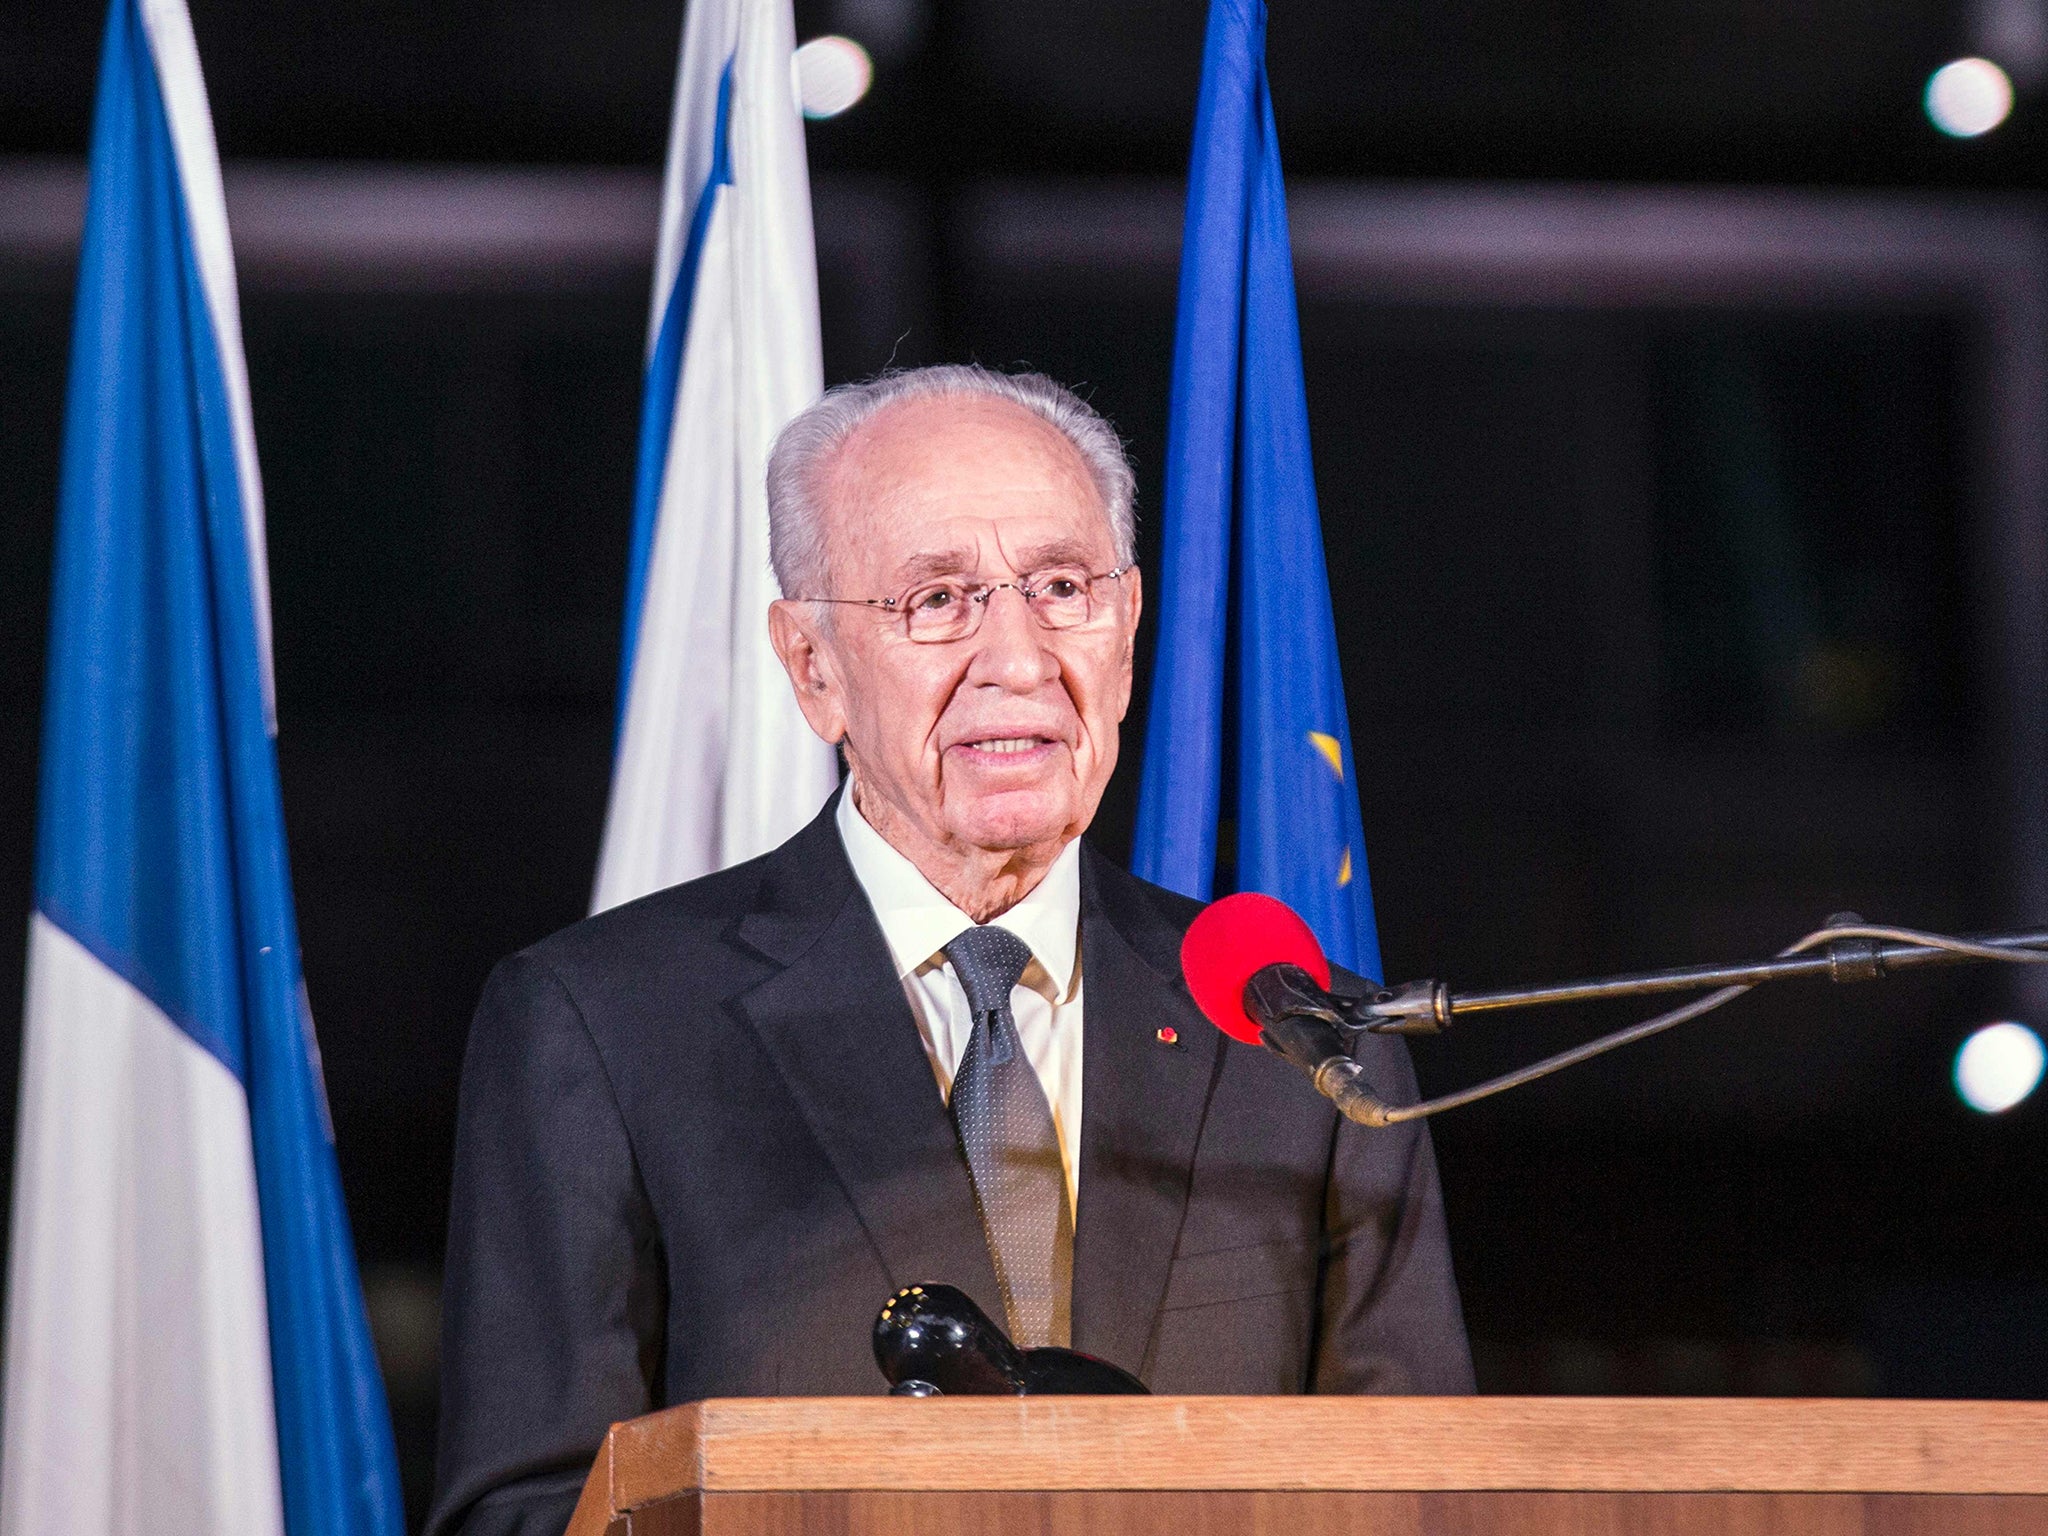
(715, 762)
(138, 1393)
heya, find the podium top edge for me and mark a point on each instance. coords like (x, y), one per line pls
(1337, 1444)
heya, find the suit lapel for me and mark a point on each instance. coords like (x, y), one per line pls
(835, 1023)
(1141, 1116)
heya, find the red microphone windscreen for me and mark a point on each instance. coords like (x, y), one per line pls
(1232, 938)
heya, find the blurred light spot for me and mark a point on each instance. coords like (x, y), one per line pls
(1968, 97)
(892, 29)
(2014, 32)
(1998, 1066)
(1847, 687)
(404, 1305)
(832, 73)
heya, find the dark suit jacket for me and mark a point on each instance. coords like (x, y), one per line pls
(700, 1144)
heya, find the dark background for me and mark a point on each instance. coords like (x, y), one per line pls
(1664, 625)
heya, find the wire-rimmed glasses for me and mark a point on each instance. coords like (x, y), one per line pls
(950, 607)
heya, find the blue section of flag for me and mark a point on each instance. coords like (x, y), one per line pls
(134, 857)
(161, 841)
(658, 396)
(1247, 642)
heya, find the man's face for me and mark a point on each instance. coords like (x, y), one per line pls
(1001, 740)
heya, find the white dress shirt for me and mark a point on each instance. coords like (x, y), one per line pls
(919, 923)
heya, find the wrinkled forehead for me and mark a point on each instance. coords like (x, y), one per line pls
(959, 486)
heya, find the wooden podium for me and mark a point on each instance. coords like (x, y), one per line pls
(1306, 1466)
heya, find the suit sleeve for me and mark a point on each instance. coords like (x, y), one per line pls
(554, 1299)
(1390, 1319)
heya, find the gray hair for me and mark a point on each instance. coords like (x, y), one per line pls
(796, 528)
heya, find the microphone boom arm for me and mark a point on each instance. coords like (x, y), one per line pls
(1846, 950)
(1854, 951)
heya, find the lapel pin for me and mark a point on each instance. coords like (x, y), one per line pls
(1169, 1036)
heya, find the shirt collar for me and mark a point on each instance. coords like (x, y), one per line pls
(918, 921)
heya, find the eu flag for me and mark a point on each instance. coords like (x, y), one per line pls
(1246, 677)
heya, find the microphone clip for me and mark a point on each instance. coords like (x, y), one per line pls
(1312, 1028)
(1413, 1008)
(1276, 994)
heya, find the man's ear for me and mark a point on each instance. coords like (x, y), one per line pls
(1134, 594)
(794, 632)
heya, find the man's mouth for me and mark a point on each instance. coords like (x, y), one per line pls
(1009, 754)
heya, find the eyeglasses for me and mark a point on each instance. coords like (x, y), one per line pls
(1060, 597)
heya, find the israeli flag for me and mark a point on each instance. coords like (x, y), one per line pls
(715, 763)
(186, 1347)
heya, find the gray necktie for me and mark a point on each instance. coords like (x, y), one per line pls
(1012, 1148)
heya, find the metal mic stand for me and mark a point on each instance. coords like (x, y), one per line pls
(1846, 950)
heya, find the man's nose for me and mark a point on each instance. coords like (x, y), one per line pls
(1010, 650)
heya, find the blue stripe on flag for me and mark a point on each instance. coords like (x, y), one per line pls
(161, 843)
(135, 858)
(658, 397)
(1239, 481)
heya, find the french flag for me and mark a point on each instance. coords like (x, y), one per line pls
(186, 1350)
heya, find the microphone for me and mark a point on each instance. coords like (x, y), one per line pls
(933, 1341)
(1257, 972)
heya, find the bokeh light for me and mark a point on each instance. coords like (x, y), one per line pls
(832, 73)
(1968, 97)
(1998, 1066)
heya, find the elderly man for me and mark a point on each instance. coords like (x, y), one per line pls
(932, 1038)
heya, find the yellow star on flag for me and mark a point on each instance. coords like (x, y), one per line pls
(1333, 754)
